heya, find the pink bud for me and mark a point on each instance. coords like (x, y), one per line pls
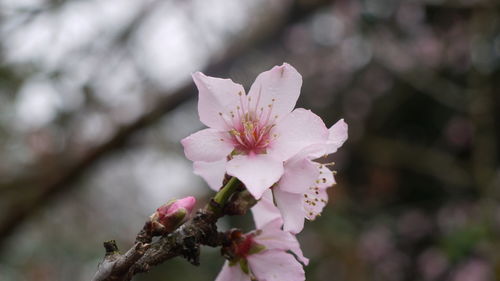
(173, 206)
(173, 214)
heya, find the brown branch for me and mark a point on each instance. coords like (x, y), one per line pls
(185, 241)
(65, 178)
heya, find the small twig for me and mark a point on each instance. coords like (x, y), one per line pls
(185, 241)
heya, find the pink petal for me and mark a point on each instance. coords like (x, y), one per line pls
(292, 210)
(232, 273)
(298, 130)
(212, 172)
(314, 210)
(325, 177)
(273, 238)
(313, 151)
(337, 136)
(207, 145)
(278, 88)
(298, 176)
(276, 266)
(295, 248)
(258, 172)
(316, 197)
(265, 211)
(216, 96)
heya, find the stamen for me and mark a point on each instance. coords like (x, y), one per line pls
(243, 110)
(258, 100)
(224, 119)
(268, 114)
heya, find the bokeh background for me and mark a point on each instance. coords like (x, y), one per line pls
(96, 94)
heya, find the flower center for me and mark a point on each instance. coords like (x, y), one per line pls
(251, 126)
(242, 248)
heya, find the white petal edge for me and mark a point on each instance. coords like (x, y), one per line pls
(212, 172)
(257, 172)
(232, 273)
(275, 265)
(297, 131)
(216, 96)
(279, 88)
(207, 145)
(264, 211)
(292, 210)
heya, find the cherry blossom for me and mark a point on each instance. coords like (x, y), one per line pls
(262, 255)
(302, 190)
(251, 136)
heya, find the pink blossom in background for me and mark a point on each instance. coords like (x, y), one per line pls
(251, 136)
(263, 255)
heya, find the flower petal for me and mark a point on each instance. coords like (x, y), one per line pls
(337, 136)
(273, 238)
(216, 96)
(312, 207)
(298, 176)
(277, 89)
(316, 197)
(298, 130)
(265, 211)
(325, 178)
(232, 273)
(212, 172)
(207, 145)
(258, 172)
(276, 266)
(292, 210)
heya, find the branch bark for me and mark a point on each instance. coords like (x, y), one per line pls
(185, 241)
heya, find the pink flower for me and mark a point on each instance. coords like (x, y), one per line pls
(172, 214)
(301, 191)
(250, 136)
(262, 255)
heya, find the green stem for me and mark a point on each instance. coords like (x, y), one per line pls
(223, 194)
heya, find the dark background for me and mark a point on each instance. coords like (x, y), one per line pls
(95, 96)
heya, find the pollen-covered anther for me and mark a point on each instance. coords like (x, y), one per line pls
(234, 132)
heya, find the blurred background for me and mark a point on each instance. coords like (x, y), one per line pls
(95, 96)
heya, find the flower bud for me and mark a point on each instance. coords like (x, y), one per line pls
(170, 216)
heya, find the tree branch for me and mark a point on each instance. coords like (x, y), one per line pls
(185, 241)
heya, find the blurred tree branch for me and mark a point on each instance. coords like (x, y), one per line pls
(417, 158)
(62, 179)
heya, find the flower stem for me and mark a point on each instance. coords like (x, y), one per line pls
(223, 194)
